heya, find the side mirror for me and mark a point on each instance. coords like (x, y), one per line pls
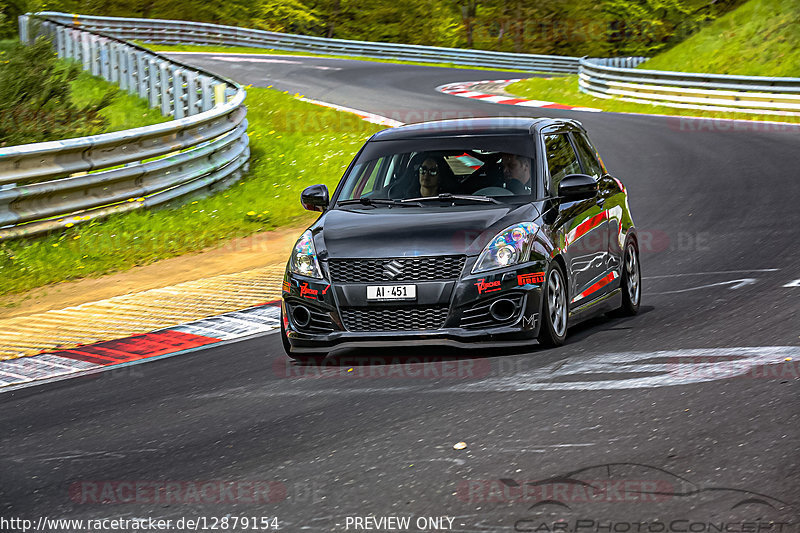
(577, 187)
(315, 198)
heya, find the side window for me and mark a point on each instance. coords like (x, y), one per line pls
(561, 159)
(588, 155)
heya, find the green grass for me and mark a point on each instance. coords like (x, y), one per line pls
(125, 111)
(759, 38)
(564, 90)
(249, 50)
(294, 144)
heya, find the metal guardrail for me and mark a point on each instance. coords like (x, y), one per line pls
(184, 32)
(612, 78)
(52, 185)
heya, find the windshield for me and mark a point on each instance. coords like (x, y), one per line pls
(454, 175)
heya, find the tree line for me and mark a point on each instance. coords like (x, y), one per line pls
(565, 27)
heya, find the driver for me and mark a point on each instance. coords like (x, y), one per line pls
(429, 178)
(517, 173)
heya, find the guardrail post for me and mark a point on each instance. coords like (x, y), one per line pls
(94, 49)
(86, 52)
(191, 93)
(163, 83)
(105, 59)
(69, 44)
(130, 60)
(60, 42)
(178, 111)
(124, 69)
(153, 81)
(22, 23)
(206, 92)
(113, 63)
(141, 74)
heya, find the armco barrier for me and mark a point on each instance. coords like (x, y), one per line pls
(51, 185)
(613, 78)
(46, 186)
(184, 32)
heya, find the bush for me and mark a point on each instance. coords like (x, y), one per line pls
(35, 102)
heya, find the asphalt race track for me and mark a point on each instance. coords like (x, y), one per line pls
(692, 404)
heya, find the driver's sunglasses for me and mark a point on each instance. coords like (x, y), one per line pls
(429, 171)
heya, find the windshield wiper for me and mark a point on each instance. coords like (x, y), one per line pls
(365, 200)
(446, 197)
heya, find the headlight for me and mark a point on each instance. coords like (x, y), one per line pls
(509, 247)
(304, 257)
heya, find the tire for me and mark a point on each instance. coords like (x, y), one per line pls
(287, 348)
(555, 308)
(631, 283)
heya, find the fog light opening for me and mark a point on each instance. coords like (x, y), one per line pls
(502, 309)
(300, 316)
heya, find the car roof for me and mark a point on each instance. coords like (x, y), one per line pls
(473, 127)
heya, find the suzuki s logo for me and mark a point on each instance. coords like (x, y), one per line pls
(393, 268)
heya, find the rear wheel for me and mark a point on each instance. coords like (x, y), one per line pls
(555, 311)
(631, 283)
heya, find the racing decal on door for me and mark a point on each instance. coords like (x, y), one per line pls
(585, 227)
(605, 280)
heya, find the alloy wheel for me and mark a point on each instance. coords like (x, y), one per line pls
(557, 302)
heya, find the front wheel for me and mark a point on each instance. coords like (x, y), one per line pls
(555, 308)
(631, 283)
(287, 348)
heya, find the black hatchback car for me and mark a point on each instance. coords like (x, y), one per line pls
(463, 232)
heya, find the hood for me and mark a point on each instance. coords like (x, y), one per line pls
(414, 231)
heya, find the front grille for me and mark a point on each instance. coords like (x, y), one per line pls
(439, 268)
(394, 318)
(478, 315)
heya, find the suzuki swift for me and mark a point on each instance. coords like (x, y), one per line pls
(468, 232)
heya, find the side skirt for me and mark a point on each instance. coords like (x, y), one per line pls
(603, 304)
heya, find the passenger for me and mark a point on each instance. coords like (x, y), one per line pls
(517, 173)
(429, 178)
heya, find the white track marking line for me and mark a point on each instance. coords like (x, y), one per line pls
(739, 283)
(257, 59)
(366, 115)
(713, 272)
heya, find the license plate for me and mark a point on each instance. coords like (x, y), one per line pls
(391, 292)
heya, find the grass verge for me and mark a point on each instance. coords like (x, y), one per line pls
(564, 90)
(293, 144)
(759, 38)
(249, 50)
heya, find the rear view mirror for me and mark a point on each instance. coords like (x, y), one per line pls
(577, 187)
(315, 198)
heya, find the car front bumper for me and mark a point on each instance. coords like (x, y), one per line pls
(503, 306)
